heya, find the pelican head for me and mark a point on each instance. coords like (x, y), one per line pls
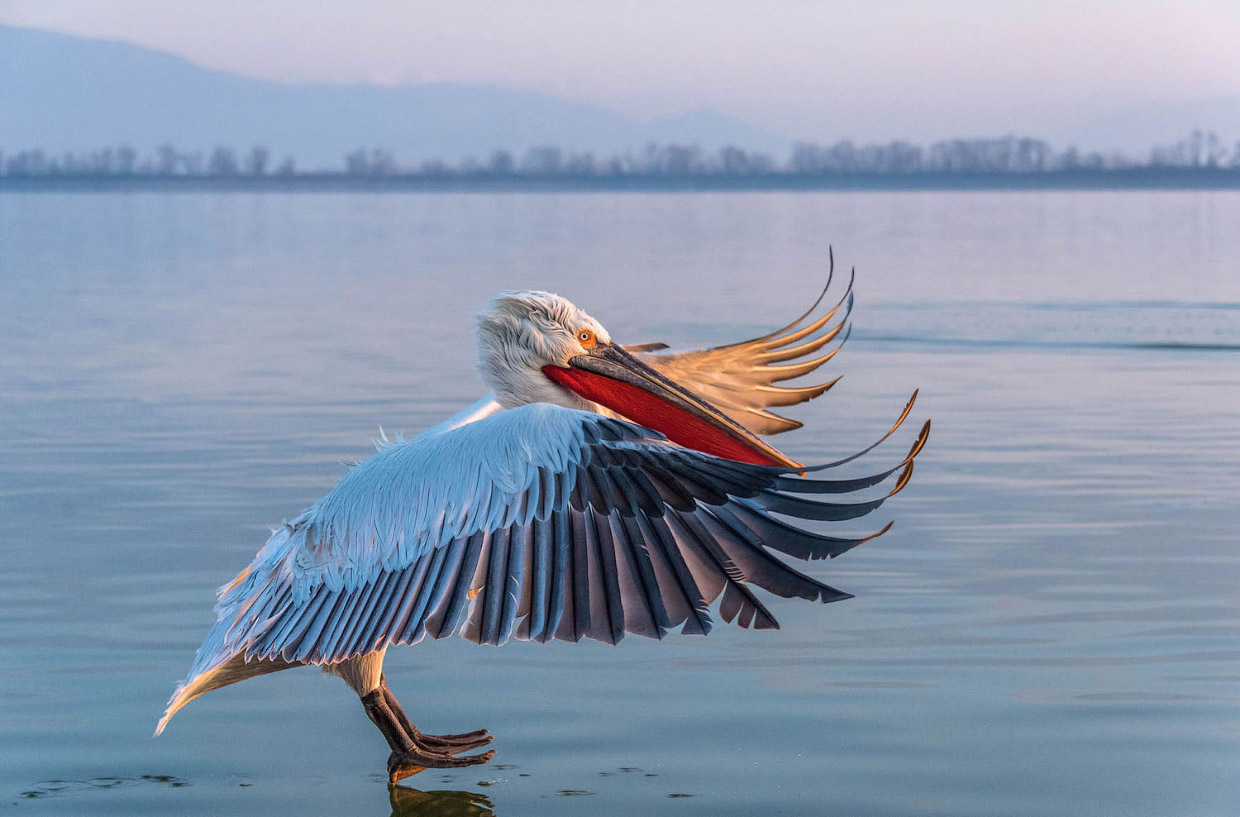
(520, 332)
(536, 347)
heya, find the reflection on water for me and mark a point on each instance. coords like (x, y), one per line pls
(1050, 628)
(408, 802)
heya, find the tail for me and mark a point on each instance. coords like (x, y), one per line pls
(228, 671)
(210, 662)
(245, 607)
(185, 693)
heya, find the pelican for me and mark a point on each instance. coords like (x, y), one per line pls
(599, 490)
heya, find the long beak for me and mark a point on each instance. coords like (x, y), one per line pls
(612, 377)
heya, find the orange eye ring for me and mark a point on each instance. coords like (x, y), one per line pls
(586, 338)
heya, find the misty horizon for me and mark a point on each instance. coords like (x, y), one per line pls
(1004, 155)
(1109, 123)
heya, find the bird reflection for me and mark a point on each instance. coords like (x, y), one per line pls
(414, 803)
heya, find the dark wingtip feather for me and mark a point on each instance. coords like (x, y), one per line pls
(905, 476)
(908, 408)
(869, 538)
(923, 437)
(765, 621)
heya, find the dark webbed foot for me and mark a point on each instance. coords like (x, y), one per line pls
(414, 751)
(453, 744)
(403, 763)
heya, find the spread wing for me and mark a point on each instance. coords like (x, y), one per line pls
(739, 379)
(540, 523)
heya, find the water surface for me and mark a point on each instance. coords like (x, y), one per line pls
(1051, 627)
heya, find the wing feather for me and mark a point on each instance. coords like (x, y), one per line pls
(670, 562)
(576, 624)
(560, 605)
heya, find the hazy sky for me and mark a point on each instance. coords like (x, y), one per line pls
(917, 68)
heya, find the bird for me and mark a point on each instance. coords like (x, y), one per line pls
(599, 490)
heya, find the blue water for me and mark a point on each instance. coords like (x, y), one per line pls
(1051, 628)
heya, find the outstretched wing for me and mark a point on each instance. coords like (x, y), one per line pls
(539, 522)
(740, 378)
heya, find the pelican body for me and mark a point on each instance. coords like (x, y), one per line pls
(600, 490)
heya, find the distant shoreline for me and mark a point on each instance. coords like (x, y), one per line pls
(1178, 178)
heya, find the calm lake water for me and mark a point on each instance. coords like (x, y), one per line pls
(1051, 628)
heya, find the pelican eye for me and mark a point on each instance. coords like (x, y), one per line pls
(586, 338)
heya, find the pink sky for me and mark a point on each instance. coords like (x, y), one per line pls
(877, 70)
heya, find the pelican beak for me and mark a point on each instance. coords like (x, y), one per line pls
(611, 377)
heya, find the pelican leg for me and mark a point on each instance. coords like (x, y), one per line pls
(453, 744)
(411, 755)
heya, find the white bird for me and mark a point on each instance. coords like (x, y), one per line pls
(601, 490)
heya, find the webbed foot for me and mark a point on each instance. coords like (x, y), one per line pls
(406, 762)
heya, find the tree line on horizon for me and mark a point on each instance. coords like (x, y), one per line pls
(1009, 154)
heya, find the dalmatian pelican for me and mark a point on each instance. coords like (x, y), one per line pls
(600, 490)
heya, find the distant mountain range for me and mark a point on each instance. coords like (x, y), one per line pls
(59, 93)
(63, 93)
